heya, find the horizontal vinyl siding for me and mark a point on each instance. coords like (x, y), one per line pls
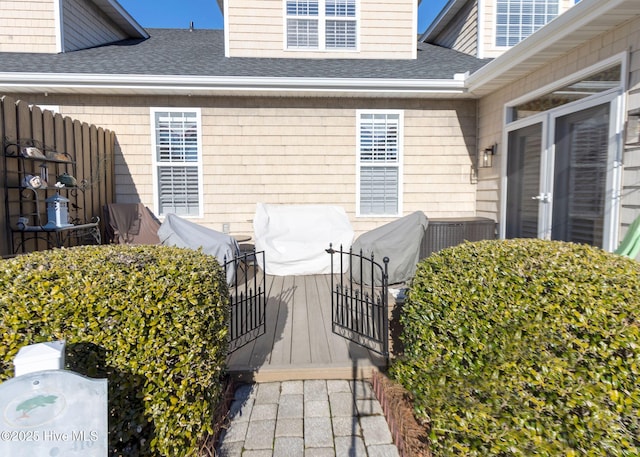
(387, 31)
(630, 209)
(27, 26)
(85, 26)
(462, 33)
(293, 151)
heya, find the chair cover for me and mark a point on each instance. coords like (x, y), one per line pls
(131, 223)
(176, 231)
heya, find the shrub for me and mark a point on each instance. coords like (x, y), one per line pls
(151, 319)
(524, 347)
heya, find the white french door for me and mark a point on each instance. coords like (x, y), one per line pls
(562, 173)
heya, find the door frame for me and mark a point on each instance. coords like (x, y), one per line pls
(615, 98)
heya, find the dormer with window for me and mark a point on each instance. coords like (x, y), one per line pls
(323, 29)
(52, 26)
(487, 28)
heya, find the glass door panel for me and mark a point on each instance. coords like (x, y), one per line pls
(580, 176)
(523, 182)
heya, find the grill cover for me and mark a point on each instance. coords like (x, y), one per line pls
(400, 241)
(294, 238)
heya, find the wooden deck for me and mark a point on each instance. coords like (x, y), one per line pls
(299, 342)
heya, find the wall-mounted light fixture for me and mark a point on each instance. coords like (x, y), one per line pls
(486, 156)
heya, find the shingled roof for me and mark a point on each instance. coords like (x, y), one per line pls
(201, 53)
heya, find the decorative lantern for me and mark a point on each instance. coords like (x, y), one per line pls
(57, 212)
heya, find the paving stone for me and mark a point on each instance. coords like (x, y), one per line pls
(258, 453)
(233, 449)
(291, 407)
(288, 447)
(292, 388)
(342, 404)
(315, 390)
(375, 430)
(264, 412)
(368, 407)
(268, 392)
(383, 450)
(319, 452)
(318, 408)
(290, 427)
(260, 435)
(346, 426)
(338, 385)
(351, 446)
(362, 389)
(236, 431)
(318, 432)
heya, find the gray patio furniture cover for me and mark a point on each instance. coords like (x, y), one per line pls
(400, 241)
(294, 238)
(176, 231)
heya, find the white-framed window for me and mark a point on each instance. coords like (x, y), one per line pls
(517, 19)
(379, 163)
(321, 24)
(177, 161)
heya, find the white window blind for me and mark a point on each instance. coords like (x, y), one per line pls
(379, 163)
(308, 21)
(302, 24)
(517, 19)
(341, 26)
(177, 161)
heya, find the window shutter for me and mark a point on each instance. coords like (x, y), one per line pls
(379, 190)
(302, 23)
(178, 190)
(177, 162)
(379, 162)
(341, 30)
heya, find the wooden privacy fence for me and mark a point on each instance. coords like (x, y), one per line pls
(84, 151)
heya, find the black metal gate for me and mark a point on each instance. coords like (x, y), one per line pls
(248, 299)
(359, 303)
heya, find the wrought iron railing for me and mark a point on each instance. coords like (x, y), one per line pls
(248, 299)
(360, 311)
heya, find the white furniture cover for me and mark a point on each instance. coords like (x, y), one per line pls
(176, 231)
(294, 238)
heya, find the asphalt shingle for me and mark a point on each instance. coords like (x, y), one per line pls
(201, 53)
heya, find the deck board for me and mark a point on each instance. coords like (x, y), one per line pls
(299, 342)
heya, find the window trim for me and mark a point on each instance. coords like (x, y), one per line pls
(156, 163)
(322, 29)
(399, 165)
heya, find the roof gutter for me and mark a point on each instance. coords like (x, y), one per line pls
(553, 33)
(192, 85)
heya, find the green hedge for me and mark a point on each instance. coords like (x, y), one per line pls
(525, 347)
(151, 319)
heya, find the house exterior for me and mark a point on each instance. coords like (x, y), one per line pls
(562, 107)
(334, 105)
(487, 28)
